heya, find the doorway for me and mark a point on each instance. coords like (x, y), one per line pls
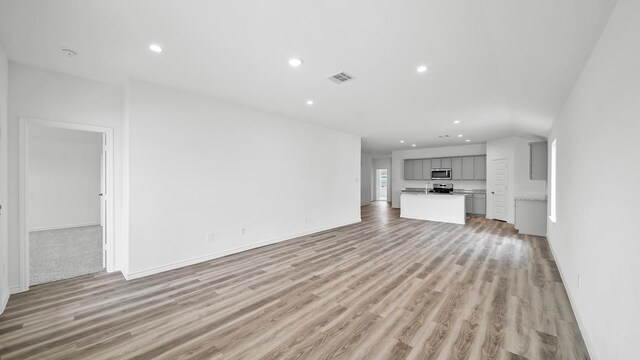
(65, 196)
(500, 191)
(381, 185)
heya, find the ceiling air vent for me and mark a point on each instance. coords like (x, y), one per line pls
(445, 136)
(340, 77)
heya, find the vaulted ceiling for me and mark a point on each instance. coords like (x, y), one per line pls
(500, 67)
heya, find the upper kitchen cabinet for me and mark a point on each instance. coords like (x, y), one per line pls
(467, 168)
(480, 168)
(462, 168)
(417, 169)
(426, 169)
(456, 169)
(408, 169)
(538, 160)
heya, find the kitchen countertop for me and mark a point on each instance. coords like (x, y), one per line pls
(472, 191)
(455, 191)
(424, 193)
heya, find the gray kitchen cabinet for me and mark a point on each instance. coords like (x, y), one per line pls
(426, 169)
(417, 169)
(479, 204)
(408, 169)
(467, 168)
(456, 169)
(468, 204)
(462, 168)
(480, 168)
(538, 160)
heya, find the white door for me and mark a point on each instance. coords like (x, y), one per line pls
(103, 199)
(499, 195)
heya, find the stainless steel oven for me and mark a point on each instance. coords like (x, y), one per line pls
(440, 174)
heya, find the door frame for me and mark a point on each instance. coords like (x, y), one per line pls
(506, 207)
(109, 240)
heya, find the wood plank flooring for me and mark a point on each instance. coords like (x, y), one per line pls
(387, 288)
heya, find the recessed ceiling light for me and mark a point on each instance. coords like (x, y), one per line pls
(456, 122)
(467, 140)
(155, 48)
(459, 135)
(401, 141)
(295, 62)
(422, 68)
(309, 102)
(413, 145)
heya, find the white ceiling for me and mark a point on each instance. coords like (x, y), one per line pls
(502, 67)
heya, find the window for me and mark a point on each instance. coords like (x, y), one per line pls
(552, 183)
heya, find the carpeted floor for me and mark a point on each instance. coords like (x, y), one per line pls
(64, 253)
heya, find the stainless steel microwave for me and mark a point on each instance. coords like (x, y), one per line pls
(440, 174)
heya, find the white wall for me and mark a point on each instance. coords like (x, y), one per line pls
(366, 179)
(197, 165)
(397, 167)
(516, 151)
(63, 179)
(4, 89)
(42, 94)
(597, 234)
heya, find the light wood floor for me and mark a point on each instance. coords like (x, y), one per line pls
(387, 288)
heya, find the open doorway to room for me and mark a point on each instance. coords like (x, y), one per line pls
(66, 201)
(63, 198)
(381, 184)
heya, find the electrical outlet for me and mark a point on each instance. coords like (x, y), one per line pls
(211, 237)
(579, 282)
(243, 231)
(304, 219)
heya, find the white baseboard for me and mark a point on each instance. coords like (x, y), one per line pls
(3, 302)
(196, 260)
(16, 289)
(585, 335)
(63, 227)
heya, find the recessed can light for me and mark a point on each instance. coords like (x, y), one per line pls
(309, 102)
(155, 48)
(401, 141)
(413, 145)
(467, 140)
(295, 62)
(456, 122)
(459, 135)
(422, 68)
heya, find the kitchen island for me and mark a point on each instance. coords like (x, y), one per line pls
(449, 208)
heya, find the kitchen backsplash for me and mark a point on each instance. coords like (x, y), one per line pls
(457, 184)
